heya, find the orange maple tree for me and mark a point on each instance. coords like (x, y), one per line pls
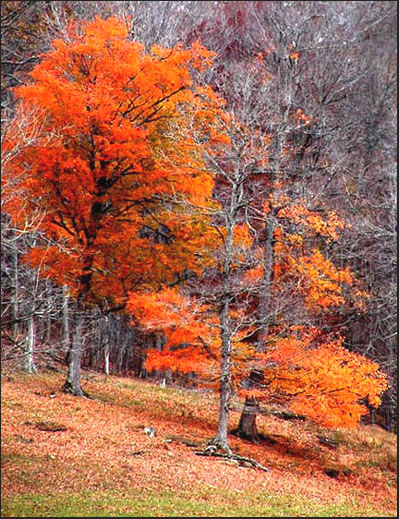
(112, 161)
(303, 365)
(318, 377)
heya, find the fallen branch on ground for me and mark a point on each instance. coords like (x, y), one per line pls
(235, 457)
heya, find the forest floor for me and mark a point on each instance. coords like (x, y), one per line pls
(69, 457)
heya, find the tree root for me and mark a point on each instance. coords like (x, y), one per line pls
(68, 388)
(216, 444)
(214, 448)
(185, 441)
(254, 437)
(234, 457)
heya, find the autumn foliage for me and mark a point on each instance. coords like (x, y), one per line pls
(302, 366)
(320, 379)
(311, 372)
(112, 161)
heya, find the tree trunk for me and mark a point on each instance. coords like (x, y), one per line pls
(247, 426)
(391, 407)
(65, 324)
(119, 359)
(106, 360)
(72, 384)
(158, 344)
(15, 298)
(221, 441)
(29, 365)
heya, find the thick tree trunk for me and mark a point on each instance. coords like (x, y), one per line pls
(72, 384)
(390, 413)
(390, 394)
(158, 345)
(29, 365)
(120, 358)
(247, 426)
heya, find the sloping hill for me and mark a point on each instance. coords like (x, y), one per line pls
(64, 456)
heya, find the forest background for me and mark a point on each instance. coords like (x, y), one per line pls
(198, 212)
(317, 82)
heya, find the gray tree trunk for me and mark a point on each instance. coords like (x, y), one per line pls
(106, 359)
(29, 365)
(221, 441)
(225, 381)
(48, 329)
(65, 323)
(15, 299)
(72, 384)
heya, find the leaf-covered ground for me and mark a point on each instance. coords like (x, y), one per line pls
(63, 456)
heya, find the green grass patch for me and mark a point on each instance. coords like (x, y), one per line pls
(167, 504)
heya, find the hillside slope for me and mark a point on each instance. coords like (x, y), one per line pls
(64, 456)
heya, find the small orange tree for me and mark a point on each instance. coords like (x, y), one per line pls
(110, 165)
(318, 377)
(300, 363)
